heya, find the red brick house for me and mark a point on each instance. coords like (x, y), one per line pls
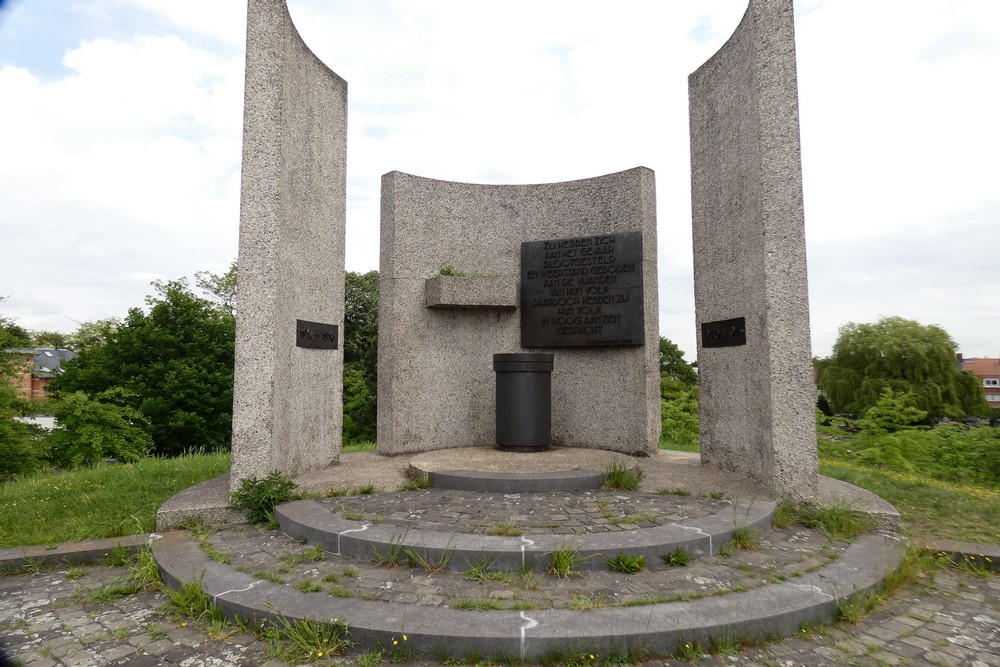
(35, 367)
(988, 372)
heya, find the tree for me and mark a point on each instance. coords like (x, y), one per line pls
(360, 356)
(672, 364)
(21, 447)
(904, 356)
(92, 334)
(678, 396)
(175, 365)
(219, 287)
(94, 429)
(54, 339)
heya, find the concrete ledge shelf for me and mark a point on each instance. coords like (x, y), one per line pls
(471, 293)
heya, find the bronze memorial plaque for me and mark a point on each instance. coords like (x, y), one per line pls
(316, 335)
(582, 291)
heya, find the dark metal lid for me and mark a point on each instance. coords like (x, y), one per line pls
(524, 362)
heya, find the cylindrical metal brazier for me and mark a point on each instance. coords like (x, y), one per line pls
(524, 401)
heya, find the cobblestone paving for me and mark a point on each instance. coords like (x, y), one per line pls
(782, 554)
(536, 513)
(48, 619)
(951, 619)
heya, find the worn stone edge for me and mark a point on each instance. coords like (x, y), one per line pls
(775, 609)
(316, 524)
(86, 551)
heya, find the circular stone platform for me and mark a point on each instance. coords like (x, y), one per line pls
(491, 470)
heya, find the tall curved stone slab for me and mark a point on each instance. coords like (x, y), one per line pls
(757, 398)
(287, 399)
(438, 334)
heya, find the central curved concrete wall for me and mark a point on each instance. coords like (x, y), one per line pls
(287, 400)
(438, 335)
(757, 399)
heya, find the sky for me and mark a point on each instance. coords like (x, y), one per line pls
(121, 130)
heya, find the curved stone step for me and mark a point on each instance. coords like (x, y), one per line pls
(776, 609)
(310, 521)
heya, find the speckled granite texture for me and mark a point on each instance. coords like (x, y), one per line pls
(756, 400)
(436, 381)
(287, 406)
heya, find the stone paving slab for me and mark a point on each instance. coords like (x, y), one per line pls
(528, 513)
(774, 609)
(782, 555)
(39, 613)
(313, 522)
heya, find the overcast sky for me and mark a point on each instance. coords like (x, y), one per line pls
(121, 121)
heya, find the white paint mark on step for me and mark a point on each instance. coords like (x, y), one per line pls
(345, 532)
(525, 542)
(524, 628)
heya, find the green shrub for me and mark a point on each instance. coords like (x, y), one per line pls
(95, 428)
(258, 497)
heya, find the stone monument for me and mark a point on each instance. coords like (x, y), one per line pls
(751, 299)
(287, 406)
(567, 268)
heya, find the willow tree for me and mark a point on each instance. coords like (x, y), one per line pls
(904, 356)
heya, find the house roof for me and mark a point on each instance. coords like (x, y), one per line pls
(982, 367)
(47, 361)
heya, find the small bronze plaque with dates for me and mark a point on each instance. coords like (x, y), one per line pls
(316, 335)
(724, 333)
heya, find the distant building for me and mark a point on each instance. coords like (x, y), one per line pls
(988, 372)
(34, 368)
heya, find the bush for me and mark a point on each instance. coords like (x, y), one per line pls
(894, 411)
(91, 429)
(258, 497)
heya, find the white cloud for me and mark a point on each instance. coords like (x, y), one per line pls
(127, 164)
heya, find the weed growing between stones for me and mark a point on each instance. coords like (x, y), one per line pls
(852, 608)
(689, 650)
(142, 575)
(583, 602)
(482, 604)
(673, 491)
(619, 476)
(626, 563)
(725, 646)
(266, 575)
(838, 522)
(309, 586)
(257, 498)
(505, 529)
(415, 558)
(679, 557)
(305, 640)
(393, 551)
(314, 553)
(566, 561)
(117, 556)
(415, 481)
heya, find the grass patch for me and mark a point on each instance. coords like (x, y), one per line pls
(679, 446)
(930, 508)
(673, 491)
(105, 500)
(583, 601)
(626, 563)
(505, 529)
(482, 604)
(838, 521)
(679, 557)
(566, 562)
(619, 476)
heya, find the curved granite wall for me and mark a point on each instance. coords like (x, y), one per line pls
(287, 410)
(438, 334)
(757, 399)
